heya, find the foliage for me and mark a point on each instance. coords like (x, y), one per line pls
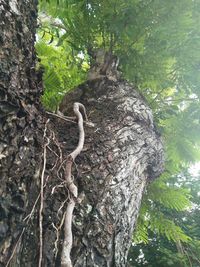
(158, 45)
(155, 40)
(64, 69)
(155, 207)
(159, 251)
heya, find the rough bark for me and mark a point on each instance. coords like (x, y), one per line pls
(121, 153)
(21, 126)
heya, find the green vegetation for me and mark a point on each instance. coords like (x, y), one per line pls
(158, 250)
(158, 44)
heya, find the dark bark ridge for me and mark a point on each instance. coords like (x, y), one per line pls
(21, 126)
(121, 153)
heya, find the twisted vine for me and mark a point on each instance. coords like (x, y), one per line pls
(68, 237)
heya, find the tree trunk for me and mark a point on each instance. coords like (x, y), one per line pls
(122, 152)
(21, 123)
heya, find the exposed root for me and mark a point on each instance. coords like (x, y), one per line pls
(58, 229)
(15, 247)
(62, 205)
(68, 239)
(28, 217)
(58, 146)
(61, 185)
(42, 194)
(69, 119)
(64, 174)
(73, 119)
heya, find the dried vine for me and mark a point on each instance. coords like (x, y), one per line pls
(68, 238)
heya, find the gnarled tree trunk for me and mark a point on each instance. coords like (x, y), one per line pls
(122, 152)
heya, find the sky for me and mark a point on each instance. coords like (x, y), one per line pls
(195, 169)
